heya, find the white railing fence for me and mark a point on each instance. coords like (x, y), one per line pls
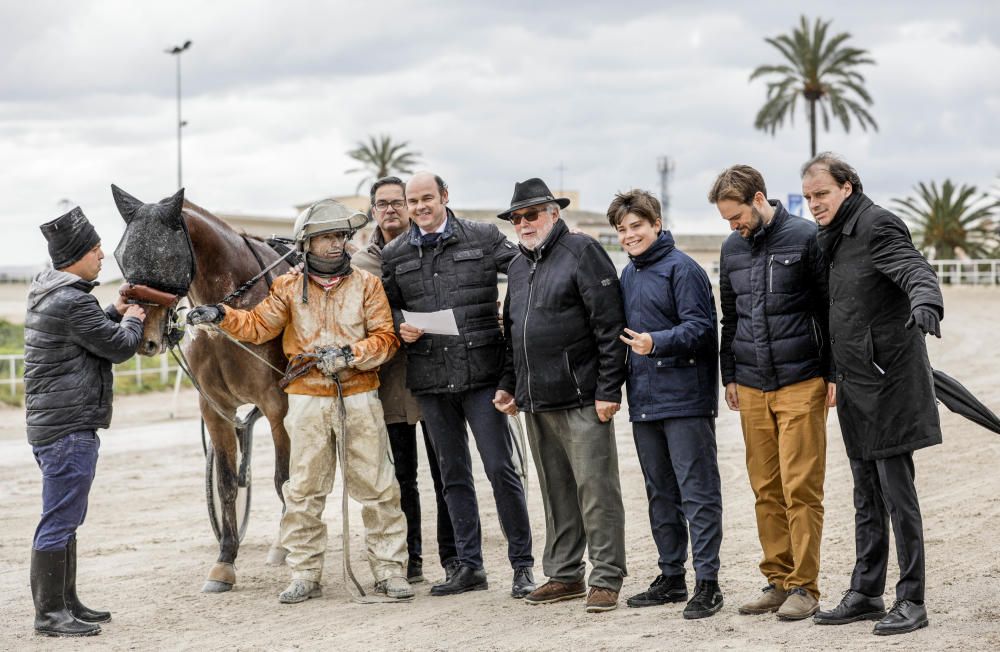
(967, 272)
(12, 371)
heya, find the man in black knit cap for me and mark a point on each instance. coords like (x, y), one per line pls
(69, 346)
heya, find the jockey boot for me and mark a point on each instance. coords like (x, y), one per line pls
(48, 578)
(79, 611)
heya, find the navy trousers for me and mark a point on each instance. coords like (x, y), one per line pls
(403, 441)
(680, 465)
(68, 465)
(446, 416)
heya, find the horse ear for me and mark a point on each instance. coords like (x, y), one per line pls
(126, 203)
(173, 205)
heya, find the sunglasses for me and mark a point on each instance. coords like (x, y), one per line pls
(531, 216)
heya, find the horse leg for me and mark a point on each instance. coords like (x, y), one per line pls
(222, 576)
(274, 409)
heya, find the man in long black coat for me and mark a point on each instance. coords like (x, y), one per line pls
(884, 297)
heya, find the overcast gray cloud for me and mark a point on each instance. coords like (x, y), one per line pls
(276, 93)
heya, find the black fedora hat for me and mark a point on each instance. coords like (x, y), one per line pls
(531, 193)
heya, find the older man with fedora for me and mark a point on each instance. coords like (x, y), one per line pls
(564, 368)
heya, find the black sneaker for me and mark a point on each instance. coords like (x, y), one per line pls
(664, 589)
(706, 602)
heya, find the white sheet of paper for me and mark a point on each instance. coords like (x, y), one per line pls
(440, 322)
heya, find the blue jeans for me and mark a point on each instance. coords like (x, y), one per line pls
(68, 465)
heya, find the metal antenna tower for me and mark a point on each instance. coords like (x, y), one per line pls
(665, 166)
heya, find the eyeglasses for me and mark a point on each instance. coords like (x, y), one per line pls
(531, 216)
(397, 205)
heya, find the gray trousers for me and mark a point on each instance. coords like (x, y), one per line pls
(577, 463)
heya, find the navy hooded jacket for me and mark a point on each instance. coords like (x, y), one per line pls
(668, 295)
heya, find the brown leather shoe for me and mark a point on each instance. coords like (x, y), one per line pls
(553, 591)
(601, 599)
(770, 602)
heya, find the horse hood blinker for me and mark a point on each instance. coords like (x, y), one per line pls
(155, 249)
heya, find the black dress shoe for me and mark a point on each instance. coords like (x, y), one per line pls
(853, 607)
(523, 584)
(415, 571)
(707, 600)
(664, 589)
(464, 579)
(905, 616)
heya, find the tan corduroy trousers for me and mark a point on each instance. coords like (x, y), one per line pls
(785, 435)
(313, 424)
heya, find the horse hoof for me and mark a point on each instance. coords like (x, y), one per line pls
(276, 556)
(220, 579)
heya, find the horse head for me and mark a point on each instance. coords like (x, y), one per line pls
(155, 252)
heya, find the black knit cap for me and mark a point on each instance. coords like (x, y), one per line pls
(70, 237)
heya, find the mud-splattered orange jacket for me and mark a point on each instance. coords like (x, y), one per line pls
(355, 312)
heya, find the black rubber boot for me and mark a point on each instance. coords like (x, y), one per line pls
(79, 611)
(48, 577)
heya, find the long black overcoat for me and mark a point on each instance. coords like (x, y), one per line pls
(885, 392)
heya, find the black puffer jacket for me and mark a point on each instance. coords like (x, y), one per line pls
(773, 290)
(458, 273)
(69, 346)
(563, 314)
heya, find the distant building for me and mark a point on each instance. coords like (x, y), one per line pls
(703, 248)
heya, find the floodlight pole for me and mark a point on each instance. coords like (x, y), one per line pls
(176, 51)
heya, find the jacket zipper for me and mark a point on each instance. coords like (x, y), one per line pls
(524, 333)
(770, 274)
(572, 373)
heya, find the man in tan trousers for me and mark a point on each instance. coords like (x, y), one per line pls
(775, 362)
(336, 325)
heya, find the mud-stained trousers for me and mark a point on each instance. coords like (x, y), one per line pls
(314, 424)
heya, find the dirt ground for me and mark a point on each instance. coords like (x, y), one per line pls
(147, 546)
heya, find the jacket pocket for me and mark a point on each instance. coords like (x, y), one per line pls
(409, 279)
(784, 273)
(871, 354)
(468, 267)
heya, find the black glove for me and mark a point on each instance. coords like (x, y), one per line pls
(926, 319)
(206, 314)
(333, 359)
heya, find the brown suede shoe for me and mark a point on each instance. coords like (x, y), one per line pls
(799, 605)
(771, 601)
(553, 591)
(601, 599)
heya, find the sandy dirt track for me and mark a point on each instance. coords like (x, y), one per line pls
(147, 546)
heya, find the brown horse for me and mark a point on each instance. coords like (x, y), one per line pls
(226, 375)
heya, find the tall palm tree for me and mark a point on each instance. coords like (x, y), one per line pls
(821, 70)
(380, 157)
(951, 218)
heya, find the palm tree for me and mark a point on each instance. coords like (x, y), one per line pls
(951, 218)
(380, 157)
(820, 70)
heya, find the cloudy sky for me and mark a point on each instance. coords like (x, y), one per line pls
(275, 93)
